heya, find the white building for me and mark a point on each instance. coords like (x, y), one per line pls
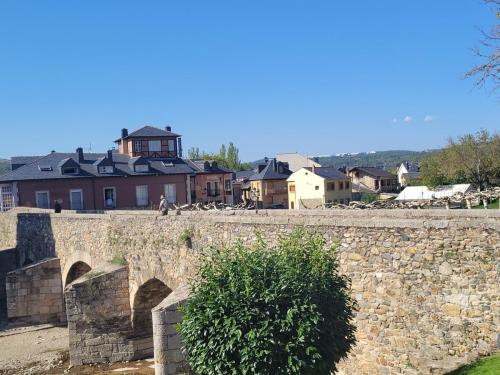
(407, 171)
(296, 161)
(414, 193)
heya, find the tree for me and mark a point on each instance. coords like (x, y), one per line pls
(222, 152)
(194, 153)
(261, 310)
(473, 158)
(489, 52)
(227, 157)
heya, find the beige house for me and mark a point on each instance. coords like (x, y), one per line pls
(373, 179)
(316, 187)
(269, 181)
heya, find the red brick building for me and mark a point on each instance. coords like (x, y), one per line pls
(148, 164)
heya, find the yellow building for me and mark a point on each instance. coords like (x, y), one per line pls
(316, 187)
(270, 183)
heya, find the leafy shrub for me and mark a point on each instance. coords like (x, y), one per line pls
(186, 235)
(269, 310)
(368, 197)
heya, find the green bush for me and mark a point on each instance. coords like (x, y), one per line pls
(269, 310)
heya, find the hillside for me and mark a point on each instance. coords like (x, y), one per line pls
(389, 160)
(4, 166)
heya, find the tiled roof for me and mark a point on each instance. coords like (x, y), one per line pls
(199, 166)
(272, 172)
(375, 172)
(150, 131)
(49, 167)
(329, 173)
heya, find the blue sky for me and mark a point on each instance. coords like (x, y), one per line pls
(317, 77)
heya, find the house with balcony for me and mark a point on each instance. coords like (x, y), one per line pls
(408, 171)
(147, 164)
(211, 182)
(374, 180)
(269, 181)
(315, 187)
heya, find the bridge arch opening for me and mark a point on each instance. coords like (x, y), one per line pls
(149, 295)
(76, 271)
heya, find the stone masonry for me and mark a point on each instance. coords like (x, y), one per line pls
(98, 310)
(426, 281)
(169, 359)
(34, 294)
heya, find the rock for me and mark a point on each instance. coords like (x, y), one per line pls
(451, 309)
(445, 269)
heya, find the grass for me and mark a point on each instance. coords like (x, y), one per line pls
(119, 260)
(491, 205)
(485, 366)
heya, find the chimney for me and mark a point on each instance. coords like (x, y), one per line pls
(79, 153)
(168, 128)
(124, 133)
(266, 160)
(110, 155)
(179, 147)
(314, 168)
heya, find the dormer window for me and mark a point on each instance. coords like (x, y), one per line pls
(106, 169)
(141, 168)
(69, 170)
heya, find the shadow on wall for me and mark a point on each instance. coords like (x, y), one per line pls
(35, 239)
(8, 263)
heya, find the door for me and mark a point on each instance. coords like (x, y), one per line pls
(171, 193)
(109, 197)
(76, 199)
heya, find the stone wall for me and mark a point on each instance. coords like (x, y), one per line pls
(34, 294)
(98, 310)
(426, 281)
(169, 359)
(8, 263)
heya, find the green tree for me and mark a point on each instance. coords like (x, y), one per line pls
(222, 152)
(262, 310)
(472, 158)
(194, 153)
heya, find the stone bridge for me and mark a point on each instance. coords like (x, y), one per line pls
(426, 281)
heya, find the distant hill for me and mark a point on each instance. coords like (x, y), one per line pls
(388, 160)
(4, 166)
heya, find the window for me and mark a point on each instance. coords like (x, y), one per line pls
(330, 186)
(341, 185)
(142, 168)
(347, 184)
(227, 185)
(6, 197)
(106, 169)
(292, 188)
(382, 183)
(109, 197)
(70, 170)
(154, 146)
(76, 199)
(141, 195)
(171, 193)
(42, 199)
(137, 146)
(316, 187)
(212, 188)
(45, 168)
(171, 145)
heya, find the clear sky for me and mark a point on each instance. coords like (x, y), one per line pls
(317, 77)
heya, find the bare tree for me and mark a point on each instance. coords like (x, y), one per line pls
(489, 52)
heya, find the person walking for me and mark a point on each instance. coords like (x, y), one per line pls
(163, 208)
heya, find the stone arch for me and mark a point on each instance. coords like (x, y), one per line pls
(148, 295)
(76, 271)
